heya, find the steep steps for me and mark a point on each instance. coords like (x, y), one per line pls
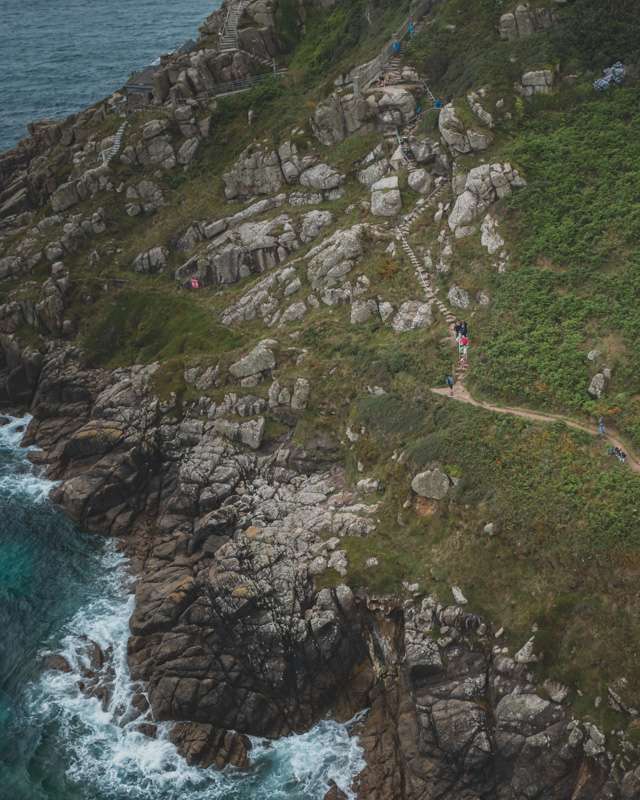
(229, 39)
(107, 155)
(401, 230)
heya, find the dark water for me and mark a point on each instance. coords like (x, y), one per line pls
(59, 588)
(60, 56)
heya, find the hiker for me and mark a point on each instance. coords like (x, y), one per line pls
(437, 103)
(463, 341)
(456, 328)
(601, 426)
(463, 328)
(450, 385)
(622, 456)
(427, 8)
(381, 80)
(411, 31)
(385, 82)
(614, 451)
(418, 112)
(396, 48)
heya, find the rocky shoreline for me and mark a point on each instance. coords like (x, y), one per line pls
(230, 636)
(243, 623)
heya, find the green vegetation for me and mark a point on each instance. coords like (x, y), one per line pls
(143, 327)
(576, 229)
(566, 519)
(568, 545)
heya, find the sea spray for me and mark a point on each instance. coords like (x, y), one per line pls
(62, 742)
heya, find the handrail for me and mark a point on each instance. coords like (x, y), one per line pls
(243, 83)
(378, 65)
(224, 27)
(427, 89)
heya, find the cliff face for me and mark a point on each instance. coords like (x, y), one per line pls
(229, 632)
(210, 315)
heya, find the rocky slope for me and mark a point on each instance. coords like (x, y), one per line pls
(229, 633)
(227, 473)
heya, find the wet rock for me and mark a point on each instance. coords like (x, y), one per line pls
(57, 662)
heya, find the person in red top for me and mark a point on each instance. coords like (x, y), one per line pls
(464, 341)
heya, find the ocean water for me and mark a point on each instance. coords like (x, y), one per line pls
(60, 56)
(61, 589)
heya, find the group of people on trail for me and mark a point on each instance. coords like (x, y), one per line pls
(618, 451)
(460, 329)
(614, 451)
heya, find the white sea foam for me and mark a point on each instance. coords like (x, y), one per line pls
(21, 478)
(104, 753)
(108, 757)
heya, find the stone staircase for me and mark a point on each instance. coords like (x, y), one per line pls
(229, 38)
(394, 70)
(107, 155)
(431, 294)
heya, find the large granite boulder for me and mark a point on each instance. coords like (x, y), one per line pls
(432, 483)
(385, 197)
(459, 139)
(256, 364)
(482, 186)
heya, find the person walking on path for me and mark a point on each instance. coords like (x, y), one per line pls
(396, 48)
(601, 426)
(450, 385)
(456, 328)
(411, 31)
(463, 328)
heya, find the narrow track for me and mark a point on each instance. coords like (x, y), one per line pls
(461, 394)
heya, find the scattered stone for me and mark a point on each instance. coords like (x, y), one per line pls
(259, 361)
(412, 316)
(368, 486)
(152, 262)
(460, 599)
(596, 386)
(300, 394)
(526, 655)
(489, 529)
(432, 483)
(385, 197)
(458, 297)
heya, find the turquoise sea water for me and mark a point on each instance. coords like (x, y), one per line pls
(61, 589)
(60, 56)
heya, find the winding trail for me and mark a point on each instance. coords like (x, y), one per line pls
(462, 394)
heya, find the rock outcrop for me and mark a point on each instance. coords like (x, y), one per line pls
(482, 186)
(231, 639)
(524, 21)
(459, 139)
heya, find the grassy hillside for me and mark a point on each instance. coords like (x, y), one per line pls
(566, 514)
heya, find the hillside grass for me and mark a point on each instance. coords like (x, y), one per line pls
(574, 287)
(568, 543)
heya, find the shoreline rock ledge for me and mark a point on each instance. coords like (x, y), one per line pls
(230, 635)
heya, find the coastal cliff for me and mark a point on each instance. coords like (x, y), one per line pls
(224, 313)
